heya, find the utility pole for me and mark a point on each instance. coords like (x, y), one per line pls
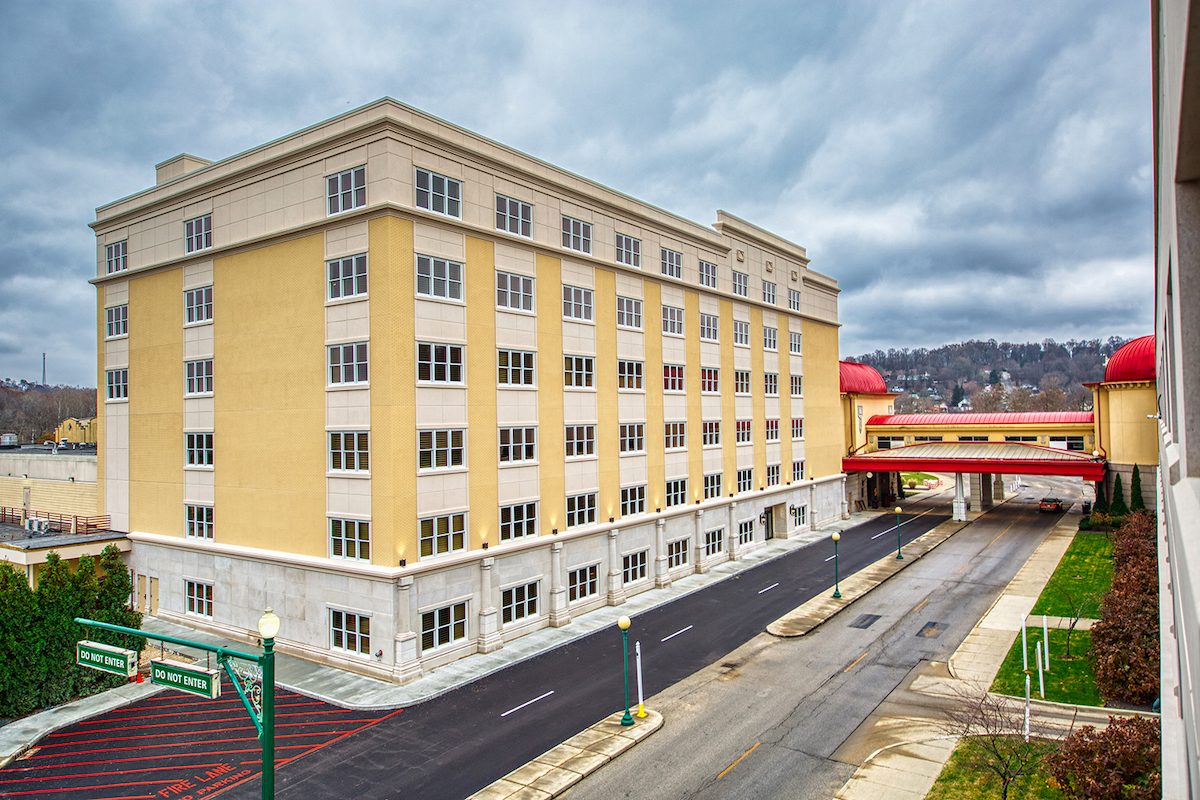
(43, 369)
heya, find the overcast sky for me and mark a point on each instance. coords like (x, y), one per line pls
(962, 169)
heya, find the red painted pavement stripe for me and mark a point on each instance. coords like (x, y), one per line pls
(236, 729)
(164, 758)
(116, 772)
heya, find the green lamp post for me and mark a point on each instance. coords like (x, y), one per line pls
(623, 623)
(899, 555)
(268, 626)
(836, 590)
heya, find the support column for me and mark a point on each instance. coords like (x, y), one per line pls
(985, 498)
(698, 544)
(998, 488)
(662, 576)
(976, 492)
(406, 666)
(731, 532)
(812, 507)
(560, 612)
(960, 502)
(489, 621)
(616, 587)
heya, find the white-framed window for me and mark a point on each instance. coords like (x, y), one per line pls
(348, 363)
(672, 263)
(746, 532)
(745, 479)
(797, 429)
(710, 379)
(580, 440)
(518, 603)
(350, 539)
(439, 194)
(518, 445)
(633, 437)
(629, 250)
(633, 567)
(581, 509)
(443, 626)
(710, 327)
(197, 233)
(198, 305)
(794, 342)
(768, 292)
(117, 321)
(676, 435)
(741, 332)
(199, 521)
(518, 521)
(346, 190)
(710, 433)
(199, 447)
(199, 598)
(118, 384)
(633, 500)
(582, 582)
(712, 485)
(741, 283)
(677, 492)
(629, 312)
(794, 299)
(576, 234)
(578, 371)
(797, 386)
(713, 542)
(797, 470)
(437, 363)
(744, 431)
(514, 216)
(677, 553)
(440, 449)
(672, 320)
(515, 368)
(770, 338)
(673, 378)
(803, 515)
(939, 438)
(708, 274)
(577, 303)
(349, 451)
(198, 377)
(439, 277)
(771, 384)
(347, 276)
(116, 257)
(349, 632)
(772, 430)
(444, 534)
(514, 291)
(741, 381)
(772, 475)
(629, 374)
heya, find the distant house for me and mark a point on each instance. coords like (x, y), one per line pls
(76, 431)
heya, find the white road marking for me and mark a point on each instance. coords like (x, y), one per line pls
(676, 633)
(531, 702)
(769, 588)
(830, 559)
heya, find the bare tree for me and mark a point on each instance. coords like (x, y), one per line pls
(995, 724)
(1082, 603)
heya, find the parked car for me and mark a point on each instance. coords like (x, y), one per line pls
(1050, 504)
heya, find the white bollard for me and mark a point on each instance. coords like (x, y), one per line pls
(1041, 680)
(1024, 649)
(637, 649)
(1046, 641)
(1026, 707)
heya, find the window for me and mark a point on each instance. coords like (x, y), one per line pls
(1063, 442)
(708, 274)
(349, 451)
(199, 449)
(518, 521)
(633, 500)
(713, 541)
(886, 442)
(518, 602)
(743, 431)
(673, 377)
(197, 233)
(797, 385)
(973, 439)
(712, 486)
(672, 320)
(741, 332)
(938, 439)
(577, 371)
(1006, 438)
(518, 444)
(116, 257)
(350, 632)
(741, 283)
(576, 235)
(346, 190)
(794, 299)
(710, 433)
(437, 277)
(771, 384)
(677, 492)
(438, 193)
(199, 598)
(580, 440)
(772, 475)
(118, 321)
(676, 435)
(118, 384)
(794, 342)
(746, 532)
(629, 250)
(672, 263)
(629, 374)
(770, 338)
(436, 363)
(577, 303)
(581, 510)
(772, 430)
(514, 291)
(709, 327)
(741, 381)
(629, 312)
(581, 583)
(514, 368)
(444, 534)
(198, 305)
(803, 520)
(797, 470)
(198, 377)
(348, 363)
(200, 522)
(443, 626)
(797, 429)
(633, 438)
(347, 277)
(442, 449)
(745, 480)
(633, 567)
(514, 216)
(710, 379)
(677, 553)
(768, 292)
(350, 538)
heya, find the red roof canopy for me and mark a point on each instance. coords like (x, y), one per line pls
(983, 419)
(1133, 362)
(860, 378)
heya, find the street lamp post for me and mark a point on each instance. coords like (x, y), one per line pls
(623, 624)
(268, 626)
(899, 555)
(836, 589)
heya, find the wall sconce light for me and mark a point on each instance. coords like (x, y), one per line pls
(378, 655)
(554, 532)
(610, 519)
(762, 518)
(404, 562)
(658, 511)
(485, 545)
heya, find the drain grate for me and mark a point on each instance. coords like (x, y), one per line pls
(865, 621)
(932, 630)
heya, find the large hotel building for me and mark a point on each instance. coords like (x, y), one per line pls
(424, 394)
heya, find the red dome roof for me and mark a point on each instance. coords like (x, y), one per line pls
(1133, 362)
(860, 378)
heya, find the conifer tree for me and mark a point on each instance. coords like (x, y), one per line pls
(1136, 503)
(1101, 501)
(1117, 506)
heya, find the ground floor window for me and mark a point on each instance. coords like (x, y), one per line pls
(443, 626)
(582, 583)
(634, 567)
(677, 553)
(199, 599)
(519, 602)
(746, 532)
(713, 541)
(350, 632)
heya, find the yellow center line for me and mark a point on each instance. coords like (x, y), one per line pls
(918, 608)
(734, 764)
(860, 658)
(998, 535)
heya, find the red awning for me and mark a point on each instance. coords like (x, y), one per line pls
(1011, 458)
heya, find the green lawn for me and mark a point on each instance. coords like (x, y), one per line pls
(1086, 568)
(916, 476)
(1067, 681)
(961, 779)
